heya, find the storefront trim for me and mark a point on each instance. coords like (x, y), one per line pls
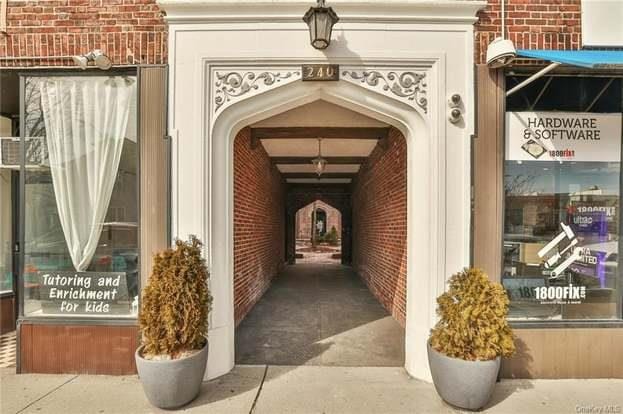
(55, 72)
(611, 324)
(77, 320)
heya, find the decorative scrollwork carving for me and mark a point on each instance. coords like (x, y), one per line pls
(235, 84)
(408, 85)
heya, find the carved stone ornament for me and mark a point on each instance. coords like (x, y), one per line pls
(409, 86)
(229, 86)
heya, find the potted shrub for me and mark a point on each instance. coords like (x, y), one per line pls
(472, 334)
(332, 237)
(173, 322)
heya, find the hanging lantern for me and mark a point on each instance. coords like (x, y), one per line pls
(319, 162)
(320, 20)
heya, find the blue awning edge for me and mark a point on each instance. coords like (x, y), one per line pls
(591, 59)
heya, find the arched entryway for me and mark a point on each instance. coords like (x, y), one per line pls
(319, 311)
(217, 88)
(337, 197)
(318, 233)
(420, 155)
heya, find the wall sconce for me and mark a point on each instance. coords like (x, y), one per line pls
(320, 20)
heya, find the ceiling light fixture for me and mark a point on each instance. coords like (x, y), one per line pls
(96, 56)
(319, 162)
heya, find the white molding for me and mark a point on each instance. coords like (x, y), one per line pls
(406, 84)
(425, 227)
(200, 11)
(438, 152)
(230, 85)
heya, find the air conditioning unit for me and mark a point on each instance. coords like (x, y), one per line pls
(602, 23)
(10, 156)
(9, 152)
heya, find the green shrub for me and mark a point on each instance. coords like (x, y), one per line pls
(473, 323)
(176, 301)
(332, 237)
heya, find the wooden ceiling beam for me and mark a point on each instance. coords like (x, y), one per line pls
(319, 132)
(308, 160)
(314, 175)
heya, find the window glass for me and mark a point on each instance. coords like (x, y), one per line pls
(8, 146)
(6, 232)
(81, 206)
(562, 185)
(570, 207)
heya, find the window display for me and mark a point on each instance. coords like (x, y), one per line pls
(81, 196)
(562, 198)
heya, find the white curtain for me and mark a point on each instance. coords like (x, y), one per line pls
(85, 120)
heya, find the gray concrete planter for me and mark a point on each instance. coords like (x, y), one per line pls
(465, 384)
(173, 383)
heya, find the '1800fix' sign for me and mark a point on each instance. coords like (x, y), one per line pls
(84, 292)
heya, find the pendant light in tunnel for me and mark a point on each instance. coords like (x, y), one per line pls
(319, 162)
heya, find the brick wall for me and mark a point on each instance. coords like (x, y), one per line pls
(380, 225)
(128, 31)
(304, 219)
(531, 24)
(259, 223)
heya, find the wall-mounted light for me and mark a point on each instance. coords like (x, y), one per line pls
(96, 56)
(320, 20)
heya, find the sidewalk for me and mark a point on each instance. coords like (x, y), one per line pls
(301, 389)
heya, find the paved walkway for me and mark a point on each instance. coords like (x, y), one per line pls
(321, 319)
(319, 314)
(303, 389)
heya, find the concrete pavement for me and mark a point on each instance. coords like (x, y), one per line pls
(301, 389)
(319, 314)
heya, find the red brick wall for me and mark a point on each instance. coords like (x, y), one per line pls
(531, 24)
(128, 31)
(259, 223)
(380, 225)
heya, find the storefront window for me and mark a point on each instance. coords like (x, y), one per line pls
(562, 185)
(7, 170)
(81, 196)
(6, 232)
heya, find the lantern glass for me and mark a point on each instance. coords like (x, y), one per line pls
(320, 21)
(320, 164)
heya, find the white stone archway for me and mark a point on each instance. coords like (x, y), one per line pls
(425, 228)
(263, 47)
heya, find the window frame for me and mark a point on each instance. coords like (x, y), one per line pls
(562, 323)
(112, 320)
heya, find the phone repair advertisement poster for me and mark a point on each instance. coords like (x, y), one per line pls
(563, 136)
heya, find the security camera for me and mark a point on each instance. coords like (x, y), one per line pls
(500, 53)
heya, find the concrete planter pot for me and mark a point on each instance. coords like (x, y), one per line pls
(172, 383)
(465, 384)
